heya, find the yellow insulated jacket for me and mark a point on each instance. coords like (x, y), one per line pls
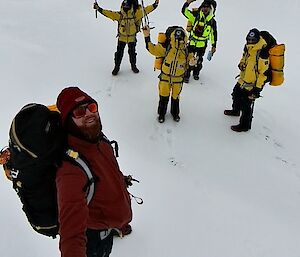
(174, 63)
(128, 22)
(253, 67)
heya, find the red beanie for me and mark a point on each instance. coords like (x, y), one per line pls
(69, 98)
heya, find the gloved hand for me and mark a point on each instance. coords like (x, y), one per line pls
(254, 93)
(241, 66)
(96, 6)
(156, 2)
(194, 60)
(128, 180)
(146, 31)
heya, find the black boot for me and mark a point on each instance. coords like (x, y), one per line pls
(239, 128)
(132, 57)
(118, 60)
(175, 109)
(162, 108)
(196, 76)
(134, 68)
(115, 70)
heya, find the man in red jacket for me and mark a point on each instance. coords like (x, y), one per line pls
(86, 229)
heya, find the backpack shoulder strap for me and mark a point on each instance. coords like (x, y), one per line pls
(78, 160)
(113, 142)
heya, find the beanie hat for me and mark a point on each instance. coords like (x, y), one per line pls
(206, 3)
(127, 3)
(69, 98)
(253, 36)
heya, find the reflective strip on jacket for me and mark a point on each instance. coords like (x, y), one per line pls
(208, 27)
(110, 206)
(253, 67)
(128, 22)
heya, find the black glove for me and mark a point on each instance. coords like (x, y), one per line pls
(128, 180)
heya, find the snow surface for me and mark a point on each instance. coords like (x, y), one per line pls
(208, 192)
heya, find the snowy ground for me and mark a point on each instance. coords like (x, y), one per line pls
(208, 192)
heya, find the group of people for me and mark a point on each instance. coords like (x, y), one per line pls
(183, 56)
(176, 68)
(88, 230)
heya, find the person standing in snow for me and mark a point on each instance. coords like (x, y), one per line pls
(173, 68)
(204, 28)
(86, 230)
(254, 66)
(129, 20)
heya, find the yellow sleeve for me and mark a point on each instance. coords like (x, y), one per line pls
(139, 12)
(115, 16)
(156, 50)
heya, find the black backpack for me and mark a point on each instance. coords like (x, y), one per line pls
(37, 146)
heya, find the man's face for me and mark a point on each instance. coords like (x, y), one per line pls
(86, 118)
(206, 9)
(126, 5)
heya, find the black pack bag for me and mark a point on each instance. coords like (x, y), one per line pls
(270, 40)
(37, 146)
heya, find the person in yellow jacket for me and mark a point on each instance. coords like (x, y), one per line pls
(174, 64)
(204, 29)
(129, 20)
(254, 67)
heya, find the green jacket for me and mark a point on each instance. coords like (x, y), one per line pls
(204, 28)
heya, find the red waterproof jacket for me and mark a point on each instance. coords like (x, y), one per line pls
(110, 206)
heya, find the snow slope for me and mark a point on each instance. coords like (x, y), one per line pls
(208, 192)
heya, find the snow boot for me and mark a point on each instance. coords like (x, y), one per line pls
(115, 70)
(175, 109)
(196, 77)
(176, 118)
(239, 128)
(161, 119)
(162, 108)
(232, 113)
(186, 80)
(132, 58)
(118, 60)
(134, 68)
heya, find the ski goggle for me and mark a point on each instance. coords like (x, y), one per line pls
(80, 111)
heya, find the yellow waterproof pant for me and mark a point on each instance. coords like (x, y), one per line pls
(165, 88)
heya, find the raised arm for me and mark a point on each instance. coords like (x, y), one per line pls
(156, 50)
(115, 16)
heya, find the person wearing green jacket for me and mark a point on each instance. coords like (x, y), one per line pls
(204, 29)
(129, 20)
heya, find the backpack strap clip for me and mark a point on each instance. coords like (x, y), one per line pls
(89, 188)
